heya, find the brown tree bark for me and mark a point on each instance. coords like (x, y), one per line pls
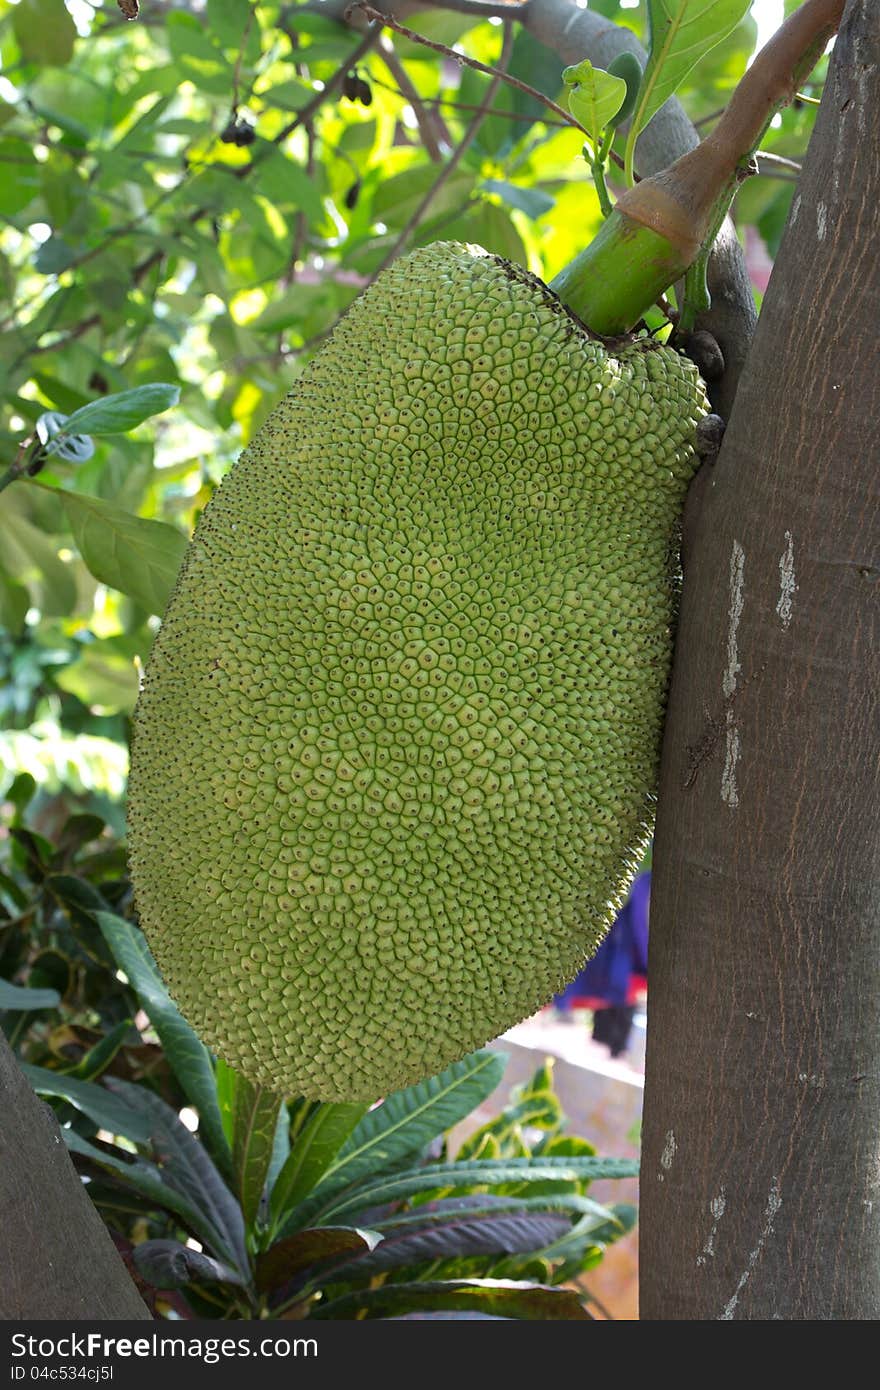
(56, 1258)
(760, 1180)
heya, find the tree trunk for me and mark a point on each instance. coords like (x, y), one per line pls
(56, 1258)
(760, 1180)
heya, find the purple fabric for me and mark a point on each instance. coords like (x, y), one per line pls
(623, 953)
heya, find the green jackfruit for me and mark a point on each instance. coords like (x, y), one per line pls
(395, 755)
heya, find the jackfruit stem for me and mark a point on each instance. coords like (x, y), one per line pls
(658, 227)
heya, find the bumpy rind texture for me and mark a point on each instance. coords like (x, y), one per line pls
(395, 754)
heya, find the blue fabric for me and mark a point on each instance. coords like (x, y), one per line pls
(623, 953)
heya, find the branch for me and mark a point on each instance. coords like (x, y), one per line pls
(458, 154)
(428, 121)
(461, 58)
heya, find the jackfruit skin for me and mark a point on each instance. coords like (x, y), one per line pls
(395, 756)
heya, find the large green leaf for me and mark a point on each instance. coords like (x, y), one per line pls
(166, 1264)
(189, 1170)
(120, 413)
(313, 1150)
(110, 1112)
(45, 32)
(196, 57)
(490, 1297)
(18, 999)
(472, 1174)
(31, 558)
(254, 1118)
(187, 1056)
(426, 1215)
(287, 1258)
(407, 1120)
(682, 32)
(459, 1236)
(137, 555)
(145, 1178)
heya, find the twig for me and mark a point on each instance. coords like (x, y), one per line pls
(236, 76)
(448, 169)
(427, 120)
(779, 160)
(448, 104)
(305, 114)
(301, 221)
(455, 159)
(461, 58)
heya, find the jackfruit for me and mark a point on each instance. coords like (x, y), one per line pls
(395, 754)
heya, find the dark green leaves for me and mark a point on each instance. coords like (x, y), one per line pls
(408, 1120)
(480, 1297)
(15, 998)
(317, 1144)
(188, 1057)
(167, 1264)
(108, 1111)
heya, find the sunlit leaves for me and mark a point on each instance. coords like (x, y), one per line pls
(594, 96)
(681, 33)
(45, 32)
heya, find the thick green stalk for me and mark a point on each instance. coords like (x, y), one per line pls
(658, 227)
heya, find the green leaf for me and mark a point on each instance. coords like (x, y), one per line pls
(102, 677)
(287, 185)
(472, 1173)
(188, 1169)
(499, 1298)
(280, 1146)
(627, 66)
(99, 1057)
(14, 604)
(54, 256)
(463, 1233)
(45, 32)
(254, 1118)
(442, 1209)
(31, 558)
(311, 1155)
(594, 96)
(167, 1264)
(187, 1056)
(196, 57)
(288, 1257)
(682, 32)
(532, 201)
(138, 556)
(407, 1120)
(20, 1000)
(106, 1110)
(21, 176)
(119, 413)
(287, 96)
(144, 1178)
(228, 22)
